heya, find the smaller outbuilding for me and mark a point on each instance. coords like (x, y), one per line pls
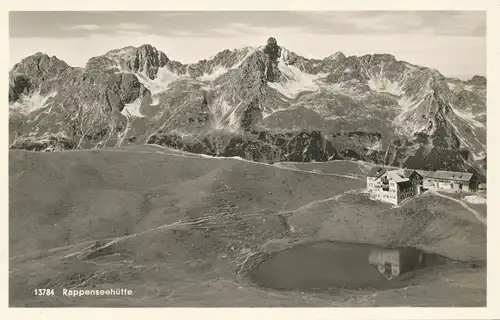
(448, 180)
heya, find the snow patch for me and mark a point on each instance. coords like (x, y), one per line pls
(475, 199)
(224, 116)
(337, 88)
(29, 104)
(268, 112)
(160, 84)
(133, 109)
(233, 123)
(457, 133)
(381, 84)
(165, 76)
(155, 100)
(217, 72)
(181, 133)
(451, 86)
(376, 146)
(220, 70)
(295, 82)
(480, 156)
(404, 121)
(247, 55)
(467, 117)
(284, 55)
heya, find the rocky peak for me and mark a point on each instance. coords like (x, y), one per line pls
(249, 78)
(226, 59)
(229, 58)
(148, 60)
(388, 60)
(477, 80)
(145, 59)
(273, 52)
(336, 56)
(34, 71)
(40, 65)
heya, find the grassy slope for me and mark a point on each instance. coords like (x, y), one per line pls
(62, 202)
(347, 167)
(429, 222)
(63, 199)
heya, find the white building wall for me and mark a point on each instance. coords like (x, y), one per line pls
(445, 185)
(370, 183)
(406, 193)
(429, 183)
(378, 193)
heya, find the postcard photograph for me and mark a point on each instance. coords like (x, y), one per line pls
(247, 159)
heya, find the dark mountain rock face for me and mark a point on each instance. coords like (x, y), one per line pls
(34, 72)
(84, 105)
(144, 59)
(264, 104)
(273, 53)
(51, 143)
(255, 145)
(18, 85)
(251, 115)
(41, 67)
(148, 60)
(477, 80)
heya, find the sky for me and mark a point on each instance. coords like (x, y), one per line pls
(453, 42)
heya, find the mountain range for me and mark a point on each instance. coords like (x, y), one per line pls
(262, 103)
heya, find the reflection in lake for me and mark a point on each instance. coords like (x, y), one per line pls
(392, 262)
(326, 265)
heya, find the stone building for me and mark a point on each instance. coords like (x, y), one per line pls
(396, 185)
(393, 185)
(448, 180)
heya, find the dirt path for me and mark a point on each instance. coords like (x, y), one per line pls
(194, 155)
(187, 222)
(355, 191)
(282, 166)
(474, 212)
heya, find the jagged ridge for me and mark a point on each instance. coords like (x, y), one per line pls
(136, 95)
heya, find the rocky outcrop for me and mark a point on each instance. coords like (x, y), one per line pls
(19, 85)
(53, 100)
(145, 59)
(38, 71)
(271, 147)
(252, 115)
(477, 80)
(40, 67)
(254, 145)
(273, 52)
(46, 144)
